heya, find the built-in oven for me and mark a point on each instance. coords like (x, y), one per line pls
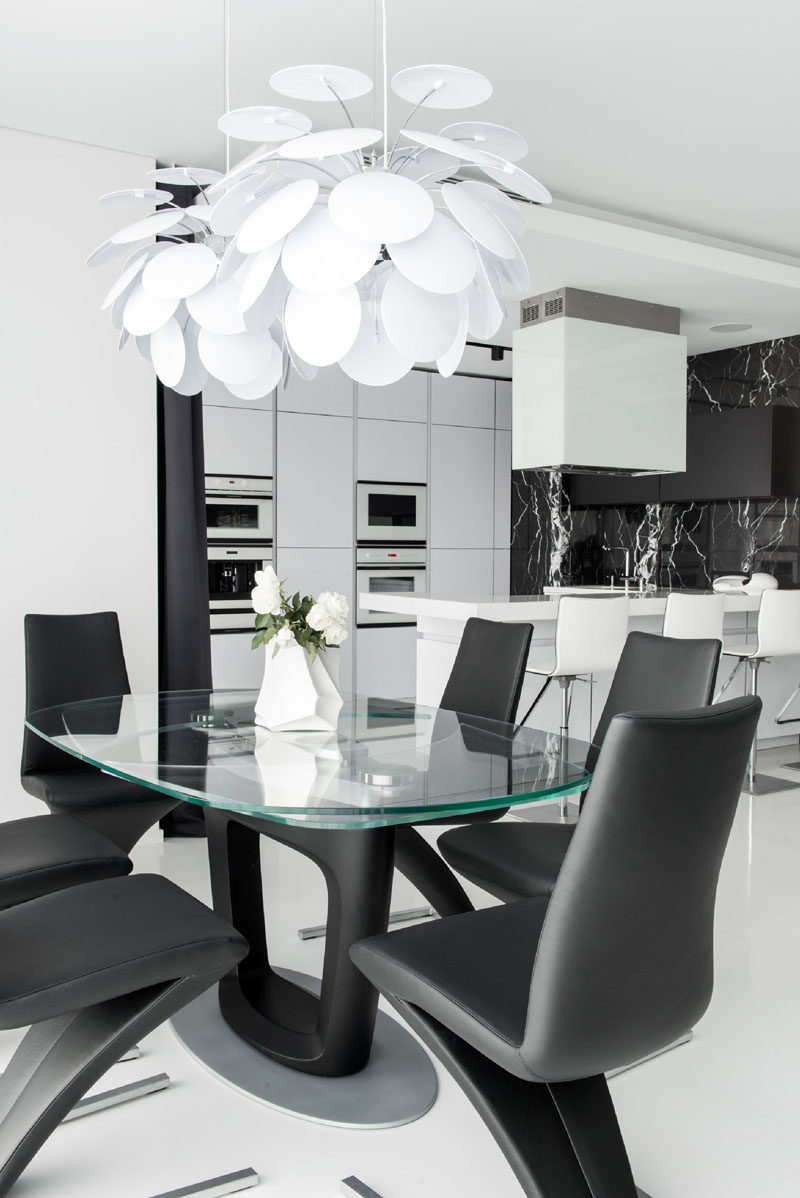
(391, 512)
(389, 568)
(238, 509)
(231, 578)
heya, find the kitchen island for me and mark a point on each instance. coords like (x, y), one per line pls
(440, 623)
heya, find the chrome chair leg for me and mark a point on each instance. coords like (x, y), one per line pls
(215, 1187)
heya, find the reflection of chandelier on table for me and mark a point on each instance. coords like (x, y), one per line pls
(323, 249)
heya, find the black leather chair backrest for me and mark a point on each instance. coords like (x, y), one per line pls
(487, 674)
(625, 961)
(658, 673)
(69, 658)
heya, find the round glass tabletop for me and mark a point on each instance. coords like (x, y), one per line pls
(389, 761)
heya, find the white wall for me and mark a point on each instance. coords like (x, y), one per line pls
(78, 431)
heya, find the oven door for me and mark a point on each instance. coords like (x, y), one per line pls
(391, 512)
(374, 580)
(231, 578)
(238, 518)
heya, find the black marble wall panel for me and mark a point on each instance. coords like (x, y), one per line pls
(670, 544)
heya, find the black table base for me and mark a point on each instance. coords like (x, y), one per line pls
(330, 1036)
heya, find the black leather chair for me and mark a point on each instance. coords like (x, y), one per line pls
(485, 681)
(47, 853)
(93, 969)
(80, 657)
(655, 673)
(529, 1004)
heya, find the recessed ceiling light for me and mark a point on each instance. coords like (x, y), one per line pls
(731, 326)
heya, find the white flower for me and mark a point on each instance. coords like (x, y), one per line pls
(267, 594)
(329, 616)
(284, 636)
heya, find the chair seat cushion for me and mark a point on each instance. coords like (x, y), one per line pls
(510, 860)
(46, 853)
(471, 972)
(91, 943)
(84, 787)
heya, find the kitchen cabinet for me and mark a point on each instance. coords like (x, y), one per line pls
(407, 399)
(461, 490)
(310, 571)
(314, 491)
(502, 572)
(234, 665)
(502, 404)
(744, 453)
(392, 451)
(461, 573)
(237, 440)
(502, 489)
(462, 399)
(331, 393)
(607, 490)
(386, 662)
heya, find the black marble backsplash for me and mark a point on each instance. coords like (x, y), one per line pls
(670, 544)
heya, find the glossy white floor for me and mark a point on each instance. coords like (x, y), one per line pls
(715, 1119)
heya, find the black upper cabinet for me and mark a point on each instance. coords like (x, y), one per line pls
(745, 453)
(742, 453)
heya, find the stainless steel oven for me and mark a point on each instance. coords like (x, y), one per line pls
(391, 512)
(231, 578)
(389, 568)
(238, 509)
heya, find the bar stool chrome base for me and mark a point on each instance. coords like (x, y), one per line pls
(397, 1086)
(755, 783)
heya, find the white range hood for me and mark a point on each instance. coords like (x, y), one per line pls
(599, 385)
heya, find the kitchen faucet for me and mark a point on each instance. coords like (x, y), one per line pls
(627, 577)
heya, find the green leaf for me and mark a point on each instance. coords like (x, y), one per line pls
(261, 620)
(256, 641)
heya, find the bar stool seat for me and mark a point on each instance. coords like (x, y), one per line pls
(694, 617)
(777, 635)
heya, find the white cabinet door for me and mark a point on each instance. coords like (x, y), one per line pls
(461, 573)
(386, 662)
(406, 399)
(310, 571)
(502, 399)
(502, 572)
(502, 489)
(237, 440)
(462, 487)
(331, 393)
(392, 451)
(217, 395)
(234, 665)
(314, 490)
(462, 400)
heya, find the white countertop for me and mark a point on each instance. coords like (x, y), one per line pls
(526, 607)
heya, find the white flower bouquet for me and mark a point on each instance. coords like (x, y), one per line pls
(314, 625)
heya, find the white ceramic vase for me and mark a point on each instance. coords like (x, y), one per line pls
(299, 694)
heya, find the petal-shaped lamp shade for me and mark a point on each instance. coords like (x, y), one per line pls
(195, 375)
(232, 209)
(145, 312)
(266, 382)
(420, 324)
(133, 268)
(322, 327)
(442, 259)
(515, 179)
(479, 221)
(179, 271)
(515, 271)
(460, 150)
(438, 86)
(168, 352)
(269, 305)
(499, 204)
(379, 206)
(424, 165)
(148, 226)
(318, 256)
(277, 215)
(106, 252)
(321, 82)
(231, 261)
(136, 197)
(264, 122)
(485, 311)
(241, 358)
(216, 308)
(315, 146)
(181, 176)
(257, 273)
(373, 360)
(482, 135)
(448, 362)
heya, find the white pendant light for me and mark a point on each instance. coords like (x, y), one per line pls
(324, 247)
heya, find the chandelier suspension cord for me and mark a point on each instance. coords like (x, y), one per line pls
(226, 74)
(385, 67)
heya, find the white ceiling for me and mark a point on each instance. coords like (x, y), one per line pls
(682, 113)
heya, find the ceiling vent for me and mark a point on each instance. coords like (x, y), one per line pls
(599, 385)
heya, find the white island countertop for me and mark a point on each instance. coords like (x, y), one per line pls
(529, 607)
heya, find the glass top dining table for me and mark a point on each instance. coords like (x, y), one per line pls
(389, 761)
(346, 801)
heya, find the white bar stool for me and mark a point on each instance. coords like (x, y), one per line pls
(590, 634)
(777, 635)
(694, 617)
